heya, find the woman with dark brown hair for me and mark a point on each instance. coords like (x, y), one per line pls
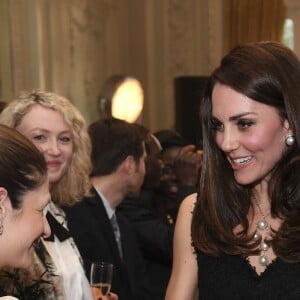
(240, 239)
(24, 196)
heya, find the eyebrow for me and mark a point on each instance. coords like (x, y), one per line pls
(68, 131)
(236, 117)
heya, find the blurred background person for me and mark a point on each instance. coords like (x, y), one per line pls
(154, 233)
(101, 232)
(180, 174)
(24, 197)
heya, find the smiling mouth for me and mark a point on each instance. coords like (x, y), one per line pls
(241, 161)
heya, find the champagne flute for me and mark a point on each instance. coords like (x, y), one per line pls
(101, 277)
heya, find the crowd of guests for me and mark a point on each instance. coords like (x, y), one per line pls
(174, 227)
(89, 173)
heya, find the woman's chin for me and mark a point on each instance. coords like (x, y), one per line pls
(27, 260)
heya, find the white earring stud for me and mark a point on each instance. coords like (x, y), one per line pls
(290, 140)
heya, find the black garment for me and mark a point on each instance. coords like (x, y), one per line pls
(56, 229)
(155, 234)
(233, 278)
(167, 207)
(153, 221)
(155, 240)
(155, 237)
(93, 233)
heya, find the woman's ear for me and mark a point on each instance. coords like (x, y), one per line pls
(3, 196)
(286, 125)
(5, 203)
(5, 207)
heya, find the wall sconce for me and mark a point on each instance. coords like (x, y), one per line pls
(121, 97)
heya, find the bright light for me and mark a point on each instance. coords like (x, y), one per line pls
(128, 100)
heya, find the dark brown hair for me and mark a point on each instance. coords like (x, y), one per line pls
(267, 72)
(112, 141)
(22, 166)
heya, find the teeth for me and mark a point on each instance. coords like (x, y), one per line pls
(242, 160)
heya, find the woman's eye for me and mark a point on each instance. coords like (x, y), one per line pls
(216, 125)
(65, 139)
(243, 124)
(38, 137)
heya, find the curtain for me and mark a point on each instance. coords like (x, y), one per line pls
(252, 20)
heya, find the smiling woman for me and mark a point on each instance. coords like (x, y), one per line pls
(245, 222)
(24, 195)
(58, 130)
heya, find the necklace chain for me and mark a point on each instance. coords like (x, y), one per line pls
(264, 247)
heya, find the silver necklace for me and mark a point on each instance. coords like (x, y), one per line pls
(262, 225)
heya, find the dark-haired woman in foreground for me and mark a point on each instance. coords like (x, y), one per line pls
(24, 196)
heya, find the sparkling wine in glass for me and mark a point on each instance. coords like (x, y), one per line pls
(101, 277)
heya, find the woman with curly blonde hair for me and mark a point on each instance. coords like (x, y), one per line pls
(74, 183)
(58, 129)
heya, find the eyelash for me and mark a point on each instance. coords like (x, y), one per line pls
(242, 124)
(63, 139)
(216, 125)
(38, 137)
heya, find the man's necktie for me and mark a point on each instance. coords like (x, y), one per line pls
(116, 229)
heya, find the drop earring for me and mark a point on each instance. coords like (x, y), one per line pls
(290, 140)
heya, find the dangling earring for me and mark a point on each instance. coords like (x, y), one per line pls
(290, 140)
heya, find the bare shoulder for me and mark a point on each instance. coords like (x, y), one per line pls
(188, 203)
(183, 282)
(184, 219)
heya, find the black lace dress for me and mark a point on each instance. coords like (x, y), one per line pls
(233, 278)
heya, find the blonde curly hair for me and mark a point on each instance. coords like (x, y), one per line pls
(75, 183)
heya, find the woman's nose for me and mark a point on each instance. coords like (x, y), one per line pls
(53, 147)
(47, 229)
(228, 141)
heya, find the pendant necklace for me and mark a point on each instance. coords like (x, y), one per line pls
(262, 225)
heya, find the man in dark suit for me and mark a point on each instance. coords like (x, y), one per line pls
(118, 158)
(152, 215)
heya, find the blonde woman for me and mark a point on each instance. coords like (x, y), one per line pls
(57, 128)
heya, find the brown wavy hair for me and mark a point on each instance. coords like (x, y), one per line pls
(267, 72)
(22, 166)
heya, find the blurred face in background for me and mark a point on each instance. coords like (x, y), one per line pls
(47, 129)
(154, 165)
(169, 184)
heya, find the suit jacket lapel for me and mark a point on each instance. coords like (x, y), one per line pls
(104, 224)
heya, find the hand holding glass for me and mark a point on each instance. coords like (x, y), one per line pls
(101, 277)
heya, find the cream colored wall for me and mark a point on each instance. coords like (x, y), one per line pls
(72, 46)
(293, 12)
